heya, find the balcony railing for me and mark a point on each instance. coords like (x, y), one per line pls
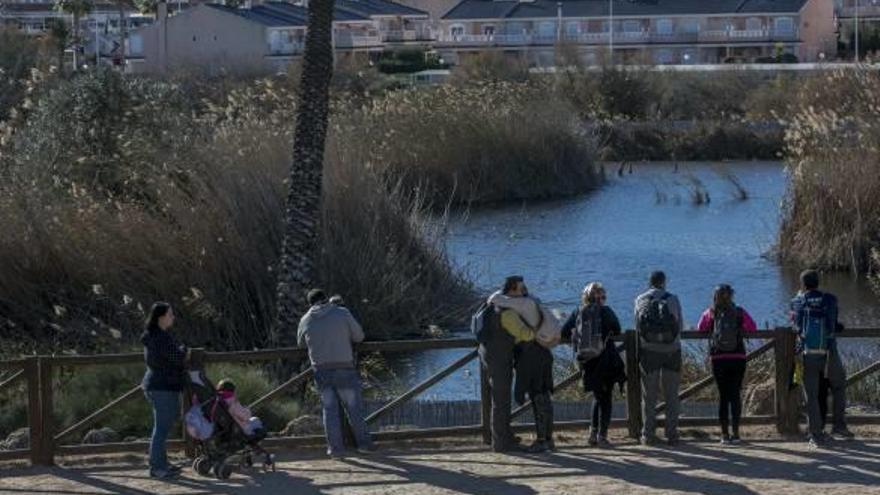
(357, 41)
(284, 48)
(620, 37)
(404, 36)
(864, 11)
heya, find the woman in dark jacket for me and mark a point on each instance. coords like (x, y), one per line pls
(590, 329)
(163, 382)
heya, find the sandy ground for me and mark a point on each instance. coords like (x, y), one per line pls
(773, 467)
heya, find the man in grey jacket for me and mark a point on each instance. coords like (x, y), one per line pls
(659, 324)
(329, 330)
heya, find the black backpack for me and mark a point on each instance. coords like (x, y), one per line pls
(485, 322)
(587, 340)
(657, 323)
(727, 329)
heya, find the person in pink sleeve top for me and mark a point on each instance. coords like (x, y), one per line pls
(727, 323)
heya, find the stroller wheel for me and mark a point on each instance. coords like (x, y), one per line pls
(223, 470)
(202, 466)
(248, 461)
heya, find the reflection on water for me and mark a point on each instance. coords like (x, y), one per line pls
(637, 223)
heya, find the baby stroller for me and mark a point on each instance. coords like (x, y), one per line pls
(227, 444)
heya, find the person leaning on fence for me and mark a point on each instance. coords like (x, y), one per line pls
(814, 315)
(659, 324)
(521, 317)
(727, 323)
(163, 382)
(329, 331)
(590, 329)
(496, 359)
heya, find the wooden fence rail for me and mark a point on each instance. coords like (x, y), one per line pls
(37, 373)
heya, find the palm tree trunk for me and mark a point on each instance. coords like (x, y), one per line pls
(301, 244)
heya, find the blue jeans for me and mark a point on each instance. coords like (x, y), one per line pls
(166, 410)
(342, 385)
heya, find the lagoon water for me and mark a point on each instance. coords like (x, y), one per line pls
(639, 221)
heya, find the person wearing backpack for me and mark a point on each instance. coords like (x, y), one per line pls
(590, 329)
(496, 349)
(727, 323)
(814, 315)
(524, 319)
(659, 325)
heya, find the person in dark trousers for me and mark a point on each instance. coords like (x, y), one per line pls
(163, 383)
(814, 315)
(727, 323)
(329, 330)
(521, 317)
(659, 324)
(590, 329)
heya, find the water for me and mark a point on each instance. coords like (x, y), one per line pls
(639, 222)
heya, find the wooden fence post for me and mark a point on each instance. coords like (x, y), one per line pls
(46, 446)
(485, 406)
(786, 406)
(633, 385)
(32, 374)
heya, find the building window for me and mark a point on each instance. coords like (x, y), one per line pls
(664, 26)
(547, 29)
(488, 30)
(456, 30)
(753, 24)
(572, 28)
(516, 28)
(783, 25)
(663, 56)
(632, 26)
(690, 26)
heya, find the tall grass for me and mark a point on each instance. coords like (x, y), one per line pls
(478, 143)
(135, 195)
(832, 210)
(120, 191)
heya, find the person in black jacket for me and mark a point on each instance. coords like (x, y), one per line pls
(163, 382)
(590, 329)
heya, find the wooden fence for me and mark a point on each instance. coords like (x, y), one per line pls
(46, 442)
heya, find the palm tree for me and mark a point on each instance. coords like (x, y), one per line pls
(303, 209)
(77, 9)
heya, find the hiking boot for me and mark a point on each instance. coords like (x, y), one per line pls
(164, 474)
(649, 441)
(593, 439)
(538, 447)
(842, 434)
(369, 449)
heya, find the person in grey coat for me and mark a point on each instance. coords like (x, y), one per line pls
(659, 324)
(329, 330)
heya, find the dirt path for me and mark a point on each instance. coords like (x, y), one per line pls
(777, 468)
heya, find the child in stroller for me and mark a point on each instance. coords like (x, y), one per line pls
(234, 436)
